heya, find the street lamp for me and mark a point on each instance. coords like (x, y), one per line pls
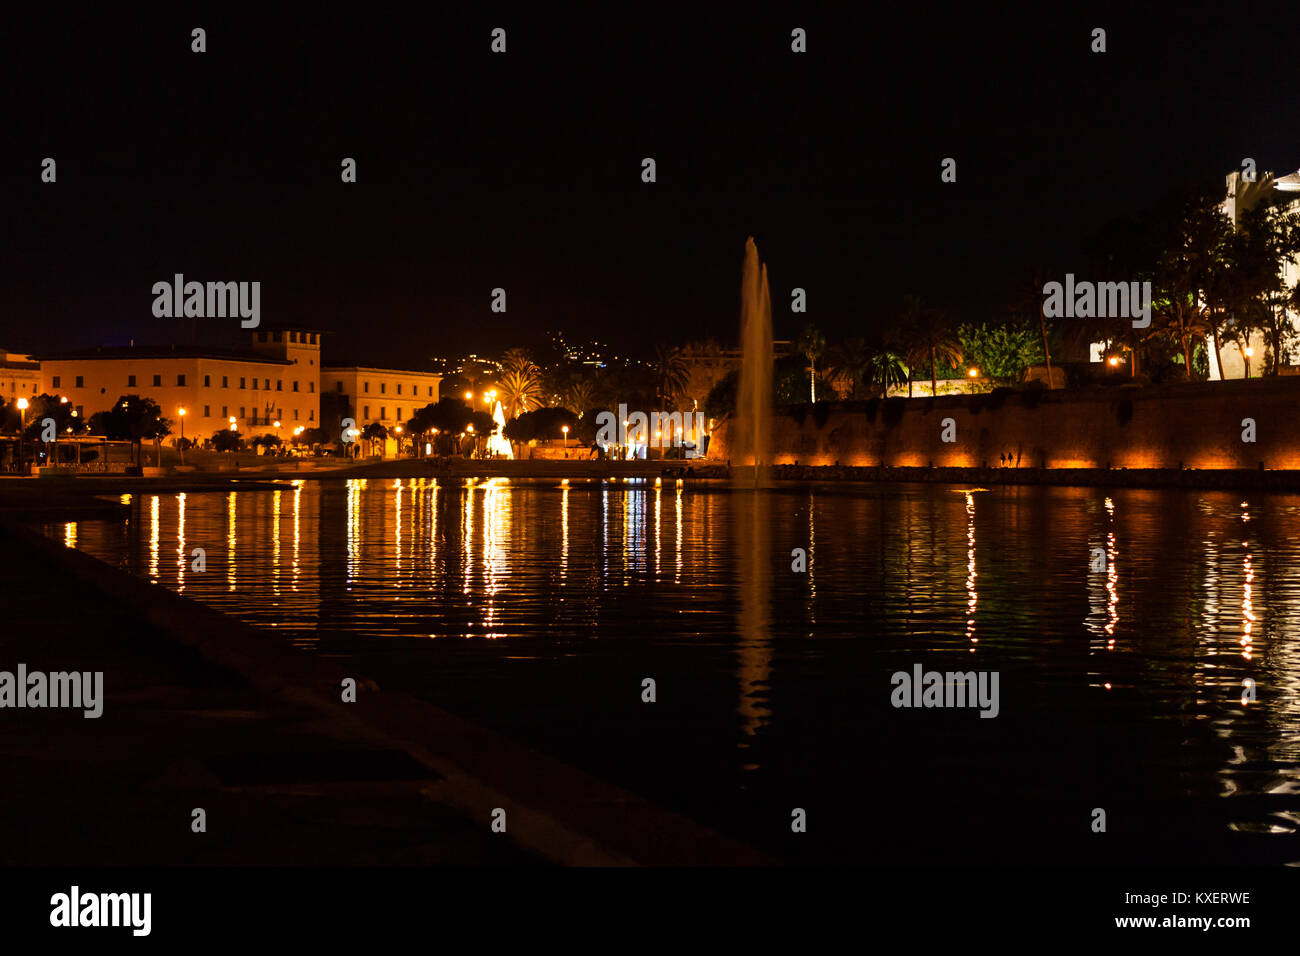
(22, 427)
(469, 396)
(565, 429)
(182, 444)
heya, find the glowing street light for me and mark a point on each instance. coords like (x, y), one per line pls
(182, 444)
(565, 429)
(469, 396)
(974, 373)
(22, 427)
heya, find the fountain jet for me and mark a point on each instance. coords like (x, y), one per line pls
(752, 426)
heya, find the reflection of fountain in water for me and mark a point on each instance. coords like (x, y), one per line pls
(752, 515)
(752, 424)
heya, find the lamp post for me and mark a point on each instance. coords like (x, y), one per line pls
(22, 427)
(182, 443)
(565, 429)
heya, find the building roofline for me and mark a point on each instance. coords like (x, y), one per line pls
(121, 352)
(332, 367)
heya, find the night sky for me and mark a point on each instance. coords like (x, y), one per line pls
(523, 170)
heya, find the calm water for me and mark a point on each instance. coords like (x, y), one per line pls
(539, 608)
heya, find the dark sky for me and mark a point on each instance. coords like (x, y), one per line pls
(523, 170)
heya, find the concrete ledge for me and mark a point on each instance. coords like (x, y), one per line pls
(559, 812)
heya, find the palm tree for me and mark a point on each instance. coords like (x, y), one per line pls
(520, 390)
(850, 363)
(812, 344)
(931, 340)
(888, 369)
(580, 396)
(671, 373)
(516, 360)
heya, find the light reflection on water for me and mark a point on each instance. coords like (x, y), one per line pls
(540, 607)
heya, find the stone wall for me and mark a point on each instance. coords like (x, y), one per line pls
(1195, 425)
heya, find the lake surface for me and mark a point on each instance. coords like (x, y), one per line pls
(1121, 624)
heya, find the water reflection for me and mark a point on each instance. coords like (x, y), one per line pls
(182, 559)
(782, 665)
(753, 524)
(973, 597)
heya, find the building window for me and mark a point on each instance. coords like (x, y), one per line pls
(338, 386)
(180, 380)
(399, 388)
(311, 387)
(225, 381)
(365, 412)
(295, 414)
(399, 414)
(207, 381)
(255, 385)
(293, 336)
(279, 385)
(279, 413)
(277, 337)
(225, 411)
(383, 388)
(366, 386)
(268, 384)
(81, 381)
(57, 380)
(130, 381)
(311, 414)
(295, 386)
(157, 381)
(243, 383)
(81, 411)
(431, 391)
(383, 412)
(207, 411)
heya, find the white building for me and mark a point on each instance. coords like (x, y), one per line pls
(1241, 197)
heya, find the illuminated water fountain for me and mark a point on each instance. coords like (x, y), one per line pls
(752, 425)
